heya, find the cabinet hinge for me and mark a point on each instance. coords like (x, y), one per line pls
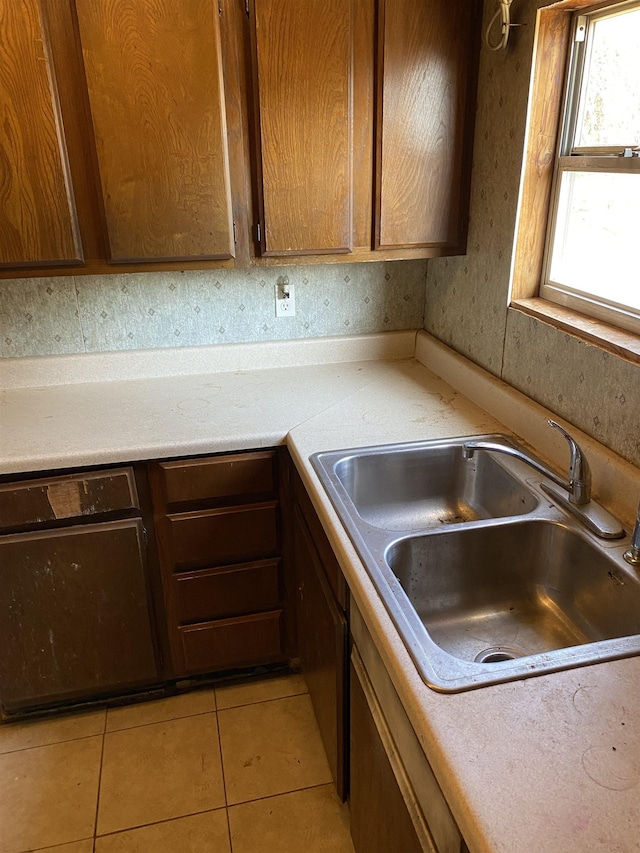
(258, 233)
(235, 233)
(220, 7)
(246, 7)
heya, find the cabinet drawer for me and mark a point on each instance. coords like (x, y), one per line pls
(218, 477)
(46, 500)
(228, 591)
(230, 643)
(221, 536)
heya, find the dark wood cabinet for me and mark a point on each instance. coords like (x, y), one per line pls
(218, 523)
(427, 57)
(380, 820)
(159, 135)
(124, 139)
(305, 120)
(364, 135)
(38, 221)
(321, 604)
(75, 604)
(156, 93)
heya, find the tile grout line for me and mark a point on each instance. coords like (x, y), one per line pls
(95, 825)
(280, 794)
(137, 826)
(224, 781)
(265, 701)
(157, 722)
(51, 743)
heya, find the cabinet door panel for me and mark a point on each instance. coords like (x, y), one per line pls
(303, 57)
(426, 51)
(37, 219)
(322, 646)
(380, 820)
(155, 84)
(75, 615)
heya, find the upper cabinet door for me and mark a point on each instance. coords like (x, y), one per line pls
(155, 81)
(37, 214)
(303, 58)
(427, 63)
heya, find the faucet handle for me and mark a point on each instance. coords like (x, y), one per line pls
(579, 471)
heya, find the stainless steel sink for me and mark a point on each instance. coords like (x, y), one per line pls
(410, 487)
(486, 579)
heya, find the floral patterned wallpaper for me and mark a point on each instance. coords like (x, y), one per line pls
(467, 297)
(75, 314)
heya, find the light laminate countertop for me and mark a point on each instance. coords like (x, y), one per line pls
(549, 764)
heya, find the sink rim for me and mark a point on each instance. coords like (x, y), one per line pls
(440, 670)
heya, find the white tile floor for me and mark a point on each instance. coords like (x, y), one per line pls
(236, 769)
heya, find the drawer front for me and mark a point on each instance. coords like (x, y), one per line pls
(46, 500)
(222, 536)
(219, 477)
(228, 591)
(231, 643)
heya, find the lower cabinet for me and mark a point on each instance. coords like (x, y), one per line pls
(380, 818)
(321, 616)
(75, 608)
(218, 522)
(395, 801)
(322, 648)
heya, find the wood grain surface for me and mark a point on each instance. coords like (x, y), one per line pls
(37, 214)
(155, 84)
(424, 58)
(303, 54)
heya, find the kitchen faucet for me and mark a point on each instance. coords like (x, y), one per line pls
(574, 493)
(632, 555)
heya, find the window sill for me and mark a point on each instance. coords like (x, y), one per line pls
(609, 338)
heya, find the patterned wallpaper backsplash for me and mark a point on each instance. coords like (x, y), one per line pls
(75, 314)
(467, 297)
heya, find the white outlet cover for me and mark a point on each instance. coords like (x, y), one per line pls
(285, 307)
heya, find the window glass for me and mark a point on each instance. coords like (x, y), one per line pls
(610, 100)
(593, 242)
(596, 245)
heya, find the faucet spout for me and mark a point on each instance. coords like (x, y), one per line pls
(574, 493)
(578, 485)
(470, 447)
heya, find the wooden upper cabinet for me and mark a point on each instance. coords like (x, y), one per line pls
(37, 213)
(427, 67)
(303, 56)
(364, 125)
(157, 101)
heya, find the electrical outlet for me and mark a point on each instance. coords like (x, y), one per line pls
(285, 298)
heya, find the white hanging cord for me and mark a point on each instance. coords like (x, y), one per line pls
(504, 13)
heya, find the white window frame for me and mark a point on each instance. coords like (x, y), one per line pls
(583, 159)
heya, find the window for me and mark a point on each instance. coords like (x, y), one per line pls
(592, 262)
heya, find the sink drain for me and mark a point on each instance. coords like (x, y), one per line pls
(497, 654)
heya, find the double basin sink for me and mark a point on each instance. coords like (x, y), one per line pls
(486, 578)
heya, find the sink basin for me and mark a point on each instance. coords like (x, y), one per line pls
(418, 486)
(494, 594)
(486, 579)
